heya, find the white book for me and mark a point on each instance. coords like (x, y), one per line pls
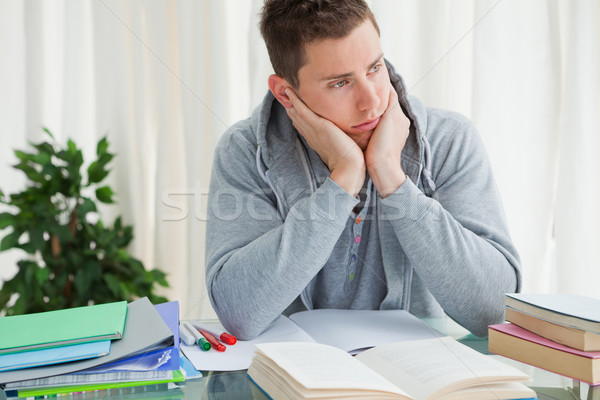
(434, 368)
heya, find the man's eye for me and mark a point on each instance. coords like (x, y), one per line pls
(375, 68)
(340, 84)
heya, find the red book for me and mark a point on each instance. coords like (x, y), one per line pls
(522, 345)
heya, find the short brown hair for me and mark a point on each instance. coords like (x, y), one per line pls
(287, 26)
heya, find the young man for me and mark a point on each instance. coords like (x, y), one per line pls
(343, 191)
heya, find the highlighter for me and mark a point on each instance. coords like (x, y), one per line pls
(204, 344)
(218, 346)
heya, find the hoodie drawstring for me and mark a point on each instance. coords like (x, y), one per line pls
(265, 177)
(431, 184)
(427, 165)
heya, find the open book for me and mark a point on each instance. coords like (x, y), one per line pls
(349, 330)
(434, 368)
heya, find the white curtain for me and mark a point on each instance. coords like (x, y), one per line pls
(164, 79)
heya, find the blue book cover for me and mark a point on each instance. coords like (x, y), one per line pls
(54, 355)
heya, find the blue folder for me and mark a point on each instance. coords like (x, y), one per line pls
(54, 355)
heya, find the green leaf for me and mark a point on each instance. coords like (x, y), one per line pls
(42, 275)
(28, 247)
(36, 238)
(78, 160)
(105, 158)
(96, 172)
(82, 282)
(72, 148)
(10, 241)
(105, 194)
(63, 155)
(42, 159)
(44, 148)
(20, 306)
(114, 285)
(93, 270)
(85, 207)
(102, 146)
(5, 295)
(6, 219)
(48, 132)
(159, 277)
(30, 172)
(62, 232)
(23, 156)
(29, 269)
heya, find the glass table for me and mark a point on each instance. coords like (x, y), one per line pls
(235, 385)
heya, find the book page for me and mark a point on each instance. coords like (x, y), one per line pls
(355, 330)
(319, 366)
(424, 367)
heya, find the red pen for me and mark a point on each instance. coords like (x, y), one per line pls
(227, 338)
(211, 339)
(224, 337)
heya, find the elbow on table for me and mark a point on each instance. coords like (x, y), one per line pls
(242, 329)
(479, 326)
(481, 330)
(235, 318)
(241, 323)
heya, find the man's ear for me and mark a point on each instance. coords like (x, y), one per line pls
(278, 85)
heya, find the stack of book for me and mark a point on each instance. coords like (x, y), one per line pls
(556, 332)
(107, 346)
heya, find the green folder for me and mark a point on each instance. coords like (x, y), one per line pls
(62, 327)
(57, 390)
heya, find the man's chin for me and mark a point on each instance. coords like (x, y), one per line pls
(361, 139)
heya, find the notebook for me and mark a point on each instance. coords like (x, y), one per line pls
(62, 327)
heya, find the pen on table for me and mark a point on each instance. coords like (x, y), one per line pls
(214, 342)
(202, 342)
(186, 336)
(223, 337)
(227, 338)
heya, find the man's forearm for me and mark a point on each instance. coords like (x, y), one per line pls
(466, 273)
(251, 285)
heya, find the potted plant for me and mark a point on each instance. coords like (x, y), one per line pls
(72, 257)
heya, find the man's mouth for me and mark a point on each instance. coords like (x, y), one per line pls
(367, 125)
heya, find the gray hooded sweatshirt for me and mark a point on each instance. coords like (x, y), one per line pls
(283, 237)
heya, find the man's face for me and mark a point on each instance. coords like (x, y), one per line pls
(346, 81)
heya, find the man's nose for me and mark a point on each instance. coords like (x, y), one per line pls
(367, 98)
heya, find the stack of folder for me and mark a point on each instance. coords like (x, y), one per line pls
(107, 346)
(556, 332)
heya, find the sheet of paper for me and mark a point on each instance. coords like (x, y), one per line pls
(356, 330)
(239, 355)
